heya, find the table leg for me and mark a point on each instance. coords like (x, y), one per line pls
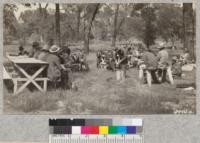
(15, 86)
(31, 79)
(45, 85)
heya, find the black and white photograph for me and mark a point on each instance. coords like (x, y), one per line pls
(99, 58)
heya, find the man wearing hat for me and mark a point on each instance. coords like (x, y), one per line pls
(164, 64)
(66, 73)
(44, 52)
(121, 62)
(22, 52)
(147, 65)
(35, 51)
(54, 68)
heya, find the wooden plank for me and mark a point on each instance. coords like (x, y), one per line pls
(36, 79)
(25, 60)
(6, 74)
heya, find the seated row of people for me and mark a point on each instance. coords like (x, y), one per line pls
(155, 67)
(151, 66)
(107, 58)
(60, 63)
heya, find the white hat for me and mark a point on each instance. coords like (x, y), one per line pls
(161, 45)
(54, 49)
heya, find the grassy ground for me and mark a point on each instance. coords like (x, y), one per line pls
(100, 93)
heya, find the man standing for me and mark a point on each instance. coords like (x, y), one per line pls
(147, 65)
(164, 64)
(121, 63)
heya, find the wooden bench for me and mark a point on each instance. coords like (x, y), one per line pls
(6, 75)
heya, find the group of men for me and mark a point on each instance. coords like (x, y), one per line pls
(153, 67)
(59, 63)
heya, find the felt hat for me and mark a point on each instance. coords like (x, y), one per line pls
(35, 44)
(161, 45)
(54, 49)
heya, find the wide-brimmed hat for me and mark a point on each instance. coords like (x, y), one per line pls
(54, 49)
(161, 45)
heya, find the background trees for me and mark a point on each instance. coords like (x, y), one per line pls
(189, 29)
(69, 23)
(90, 14)
(149, 17)
(9, 22)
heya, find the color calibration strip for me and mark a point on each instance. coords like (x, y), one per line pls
(93, 122)
(96, 131)
(96, 126)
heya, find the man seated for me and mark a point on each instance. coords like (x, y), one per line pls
(35, 51)
(103, 63)
(164, 66)
(99, 54)
(185, 57)
(83, 66)
(66, 76)
(147, 66)
(176, 67)
(22, 52)
(129, 57)
(54, 68)
(110, 61)
(44, 52)
(102, 59)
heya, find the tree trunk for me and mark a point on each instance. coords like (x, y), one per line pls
(40, 8)
(115, 25)
(188, 24)
(57, 21)
(78, 23)
(88, 27)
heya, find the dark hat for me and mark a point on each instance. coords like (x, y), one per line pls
(67, 50)
(35, 44)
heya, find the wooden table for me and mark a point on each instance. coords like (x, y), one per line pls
(22, 65)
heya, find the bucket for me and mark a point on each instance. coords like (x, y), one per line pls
(118, 75)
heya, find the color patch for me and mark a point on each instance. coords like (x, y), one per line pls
(67, 130)
(58, 130)
(98, 122)
(112, 130)
(139, 129)
(76, 130)
(121, 130)
(94, 130)
(131, 130)
(85, 130)
(103, 130)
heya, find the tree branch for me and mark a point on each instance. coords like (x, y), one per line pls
(46, 6)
